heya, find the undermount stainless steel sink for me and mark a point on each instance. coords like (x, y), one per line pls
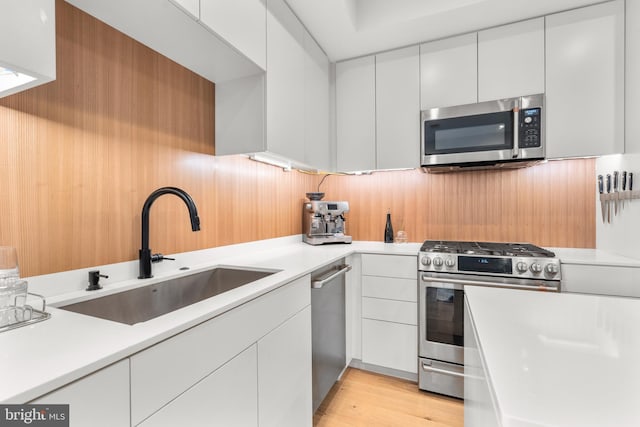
(147, 302)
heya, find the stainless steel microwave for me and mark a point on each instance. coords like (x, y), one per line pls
(505, 133)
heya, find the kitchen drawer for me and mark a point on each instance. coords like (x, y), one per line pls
(401, 266)
(390, 345)
(390, 288)
(186, 358)
(390, 311)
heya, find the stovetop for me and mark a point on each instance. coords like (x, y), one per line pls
(516, 260)
(486, 248)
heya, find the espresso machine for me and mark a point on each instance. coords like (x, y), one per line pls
(323, 221)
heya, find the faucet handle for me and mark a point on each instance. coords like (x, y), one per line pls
(160, 258)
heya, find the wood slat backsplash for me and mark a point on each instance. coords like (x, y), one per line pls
(551, 204)
(79, 156)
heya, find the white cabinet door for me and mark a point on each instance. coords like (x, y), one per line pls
(632, 77)
(285, 82)
(192, 7)
(355, 114)
(242, 23)
(511, 60)
(317, 151)
(585, 81)
(100, 399)
(391, 345)
(284, 374)
(449, 72)
(196, 352)
(398, 108)
(226, 397)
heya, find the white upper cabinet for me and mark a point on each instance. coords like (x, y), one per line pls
(398, 108)
(355, 114)
(449, 72)
(165, 27)
(585, 81)
(282, 114)
(285, 82)
(27, 44)
(316, 106)
(242, 23)
(632, 76)
(511, 60)
(192, 7)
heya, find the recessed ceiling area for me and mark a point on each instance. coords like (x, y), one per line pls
(351, 28)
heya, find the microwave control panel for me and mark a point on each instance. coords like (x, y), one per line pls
(530, 128)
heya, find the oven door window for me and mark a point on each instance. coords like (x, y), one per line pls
(445, 314)
(483, 132)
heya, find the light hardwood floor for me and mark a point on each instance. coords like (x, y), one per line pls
(363, 398)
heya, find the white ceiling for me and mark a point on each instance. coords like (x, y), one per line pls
(350, 28)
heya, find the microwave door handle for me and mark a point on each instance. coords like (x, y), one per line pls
(516, 133)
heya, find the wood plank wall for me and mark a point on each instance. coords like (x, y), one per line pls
(549, 205)
(79, 156)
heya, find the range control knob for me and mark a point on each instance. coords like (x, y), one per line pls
(535, 268)
(437, 261)
(522, 267)
(426, 260)
(552, 269)
(450, 262)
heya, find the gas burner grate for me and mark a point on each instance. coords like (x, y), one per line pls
(486, 248)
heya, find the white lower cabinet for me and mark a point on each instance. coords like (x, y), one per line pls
(284, 368)
(227, 397)
(98, 400)
(479, 408)
(193, 368)
(390, 345)
(390, 312)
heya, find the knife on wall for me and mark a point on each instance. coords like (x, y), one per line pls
(601, 191)
(624, 189)
(616, 182)
(609, 201)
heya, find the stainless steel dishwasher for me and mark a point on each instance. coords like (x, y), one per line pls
(328, 328)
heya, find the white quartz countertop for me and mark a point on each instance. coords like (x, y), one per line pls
(559, 359)
(41, 357)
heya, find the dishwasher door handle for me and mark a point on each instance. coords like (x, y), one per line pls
(319, 283)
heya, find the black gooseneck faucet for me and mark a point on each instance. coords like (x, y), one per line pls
(146, 258)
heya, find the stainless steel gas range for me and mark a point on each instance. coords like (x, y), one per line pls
(444, 269)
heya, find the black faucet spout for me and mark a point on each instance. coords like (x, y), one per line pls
(146, 258)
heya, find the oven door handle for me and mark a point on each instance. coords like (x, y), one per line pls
(428, 368)
(426, 278)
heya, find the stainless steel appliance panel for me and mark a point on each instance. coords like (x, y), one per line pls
(328, 329)
(441, 377)
(507, 132)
